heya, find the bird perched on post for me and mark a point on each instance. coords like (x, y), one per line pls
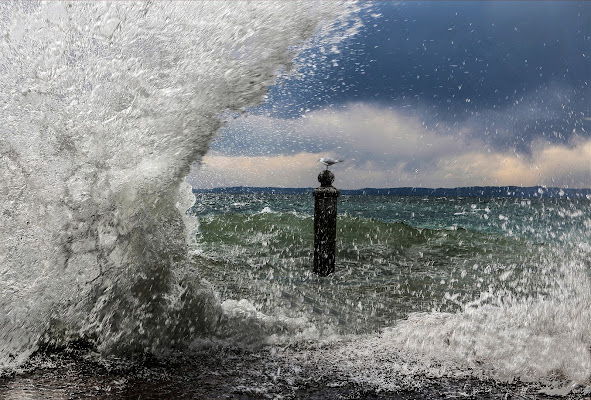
(328, 161)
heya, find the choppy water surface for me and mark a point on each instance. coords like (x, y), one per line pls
(435, 297)
(396, 255)
(109, 288)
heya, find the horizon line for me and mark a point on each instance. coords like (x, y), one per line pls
(544, 187)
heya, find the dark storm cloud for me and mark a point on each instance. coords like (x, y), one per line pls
(516, 71)
(433, 94)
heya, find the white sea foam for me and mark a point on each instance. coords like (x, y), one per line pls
(545, 338)
(105, 107)
(246, 324)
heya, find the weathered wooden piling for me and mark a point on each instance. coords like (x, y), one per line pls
(325, 224)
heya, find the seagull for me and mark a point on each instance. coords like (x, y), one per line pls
(328, 161)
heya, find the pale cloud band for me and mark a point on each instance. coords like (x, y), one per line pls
(383, 148)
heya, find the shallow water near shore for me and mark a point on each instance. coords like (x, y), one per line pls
(497, 285)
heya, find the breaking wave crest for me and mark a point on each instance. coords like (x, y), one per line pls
(105, 108)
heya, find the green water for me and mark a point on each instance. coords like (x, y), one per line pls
(395, 255)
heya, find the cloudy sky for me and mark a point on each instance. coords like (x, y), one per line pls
(427, 94)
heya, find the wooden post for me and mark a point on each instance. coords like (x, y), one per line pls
(325, 224)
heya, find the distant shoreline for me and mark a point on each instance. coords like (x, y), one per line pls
(531, 192)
